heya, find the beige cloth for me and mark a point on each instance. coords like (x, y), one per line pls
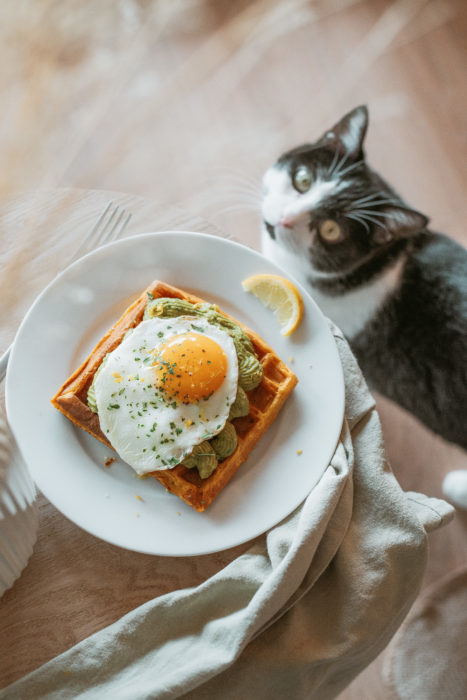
(298, 615)
(428, 656)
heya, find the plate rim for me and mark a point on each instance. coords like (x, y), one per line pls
(340, 400)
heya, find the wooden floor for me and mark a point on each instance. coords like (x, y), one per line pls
(189, 101)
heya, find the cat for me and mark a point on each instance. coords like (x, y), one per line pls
(397, 290)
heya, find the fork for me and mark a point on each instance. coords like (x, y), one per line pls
(108, 227)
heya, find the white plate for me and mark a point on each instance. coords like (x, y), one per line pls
(68, 465)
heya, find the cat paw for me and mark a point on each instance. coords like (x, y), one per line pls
(455, 487)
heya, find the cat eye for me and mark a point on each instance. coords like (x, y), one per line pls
(302, 179)
(330, 231)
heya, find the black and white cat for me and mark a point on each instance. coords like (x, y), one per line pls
(397, 290)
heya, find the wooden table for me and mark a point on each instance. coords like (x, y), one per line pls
(188, 104)
(74, 583)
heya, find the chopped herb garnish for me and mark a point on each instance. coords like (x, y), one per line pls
(113, 405)
(151, 296)
(197, 328)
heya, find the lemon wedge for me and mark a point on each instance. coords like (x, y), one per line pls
(280, 295)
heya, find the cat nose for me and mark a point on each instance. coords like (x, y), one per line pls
(287, 221)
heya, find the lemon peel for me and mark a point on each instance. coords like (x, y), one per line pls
(281, 296)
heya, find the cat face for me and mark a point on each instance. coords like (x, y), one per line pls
(323, 203)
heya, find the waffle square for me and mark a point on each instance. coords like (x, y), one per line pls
(265, 402)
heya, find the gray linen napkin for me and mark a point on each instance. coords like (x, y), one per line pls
(299, 615)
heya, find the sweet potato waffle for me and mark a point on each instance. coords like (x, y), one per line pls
(265, 402)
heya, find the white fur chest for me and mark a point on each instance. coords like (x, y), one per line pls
(350, 311)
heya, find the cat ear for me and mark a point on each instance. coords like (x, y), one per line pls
(350, 131)
(399, 222)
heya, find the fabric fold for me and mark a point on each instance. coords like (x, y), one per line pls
(299, 614)
(432, 512)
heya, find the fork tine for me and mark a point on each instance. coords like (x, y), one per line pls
(125, 223)
(109, 226)
(86, 243)
(117, 228)
(99, 234)
(104, 230)
(98, 223)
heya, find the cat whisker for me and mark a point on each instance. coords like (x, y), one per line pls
(333, 164)
(236, 208)
(383, 215)
(358, 220)
(244, 186)
(227, 173)
(340, 165)
(237, 198)
(377, 202)
(222, 204)
(367, 217)
(371, 197)
(233, 192)
(239, 187)
(243, 194)
(349, 168)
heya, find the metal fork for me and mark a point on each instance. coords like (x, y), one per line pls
(108, 227)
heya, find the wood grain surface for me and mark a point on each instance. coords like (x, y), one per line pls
(184, 105)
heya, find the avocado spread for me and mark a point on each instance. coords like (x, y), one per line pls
(205, 456)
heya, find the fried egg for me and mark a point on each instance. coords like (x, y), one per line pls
(167, 387)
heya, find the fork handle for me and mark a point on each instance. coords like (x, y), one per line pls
(4, 363)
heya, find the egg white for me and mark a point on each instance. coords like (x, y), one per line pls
(148, 430)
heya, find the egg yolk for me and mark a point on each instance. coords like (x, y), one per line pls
(190, 367)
